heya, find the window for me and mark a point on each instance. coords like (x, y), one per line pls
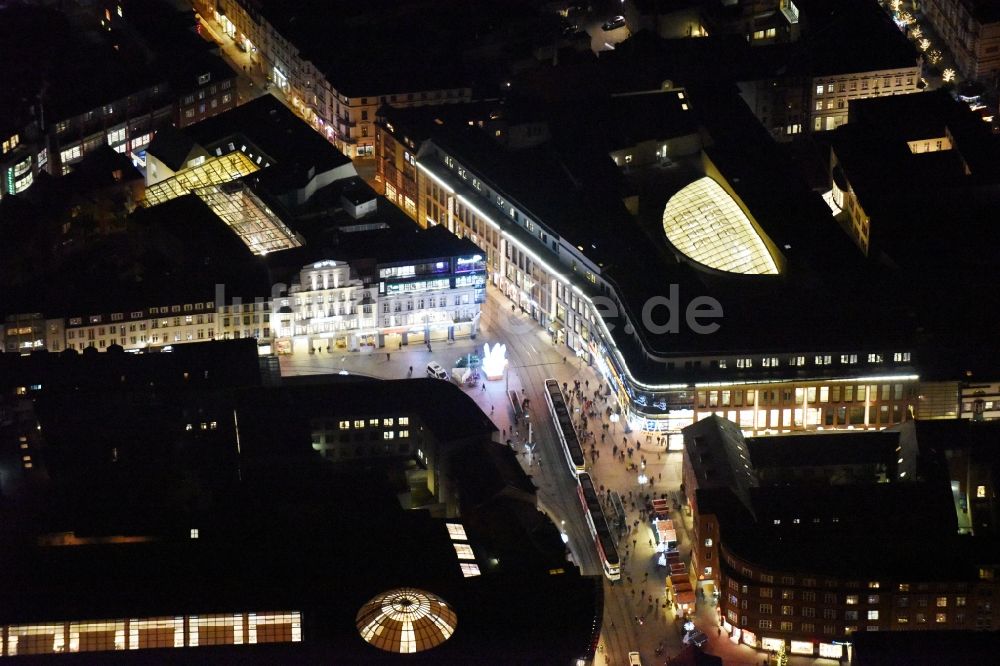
(787, 610)
(464, 551)
(808, 611)
(851, 615)
(873, 615)
(980, 492)
(766, 593)
(942, 602)
(852, 600)
(872, 599)
(766, 609)
(764, 624)
(819, 89)
(941, 618)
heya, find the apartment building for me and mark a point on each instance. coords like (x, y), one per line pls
(339, 92)
(842, 567)
(847, 51)
(971, 31)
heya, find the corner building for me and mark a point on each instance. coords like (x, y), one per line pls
(812, 539)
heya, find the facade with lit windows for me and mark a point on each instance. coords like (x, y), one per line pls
(333, 305)
(185, 631)
(405, 302)
(816, 615)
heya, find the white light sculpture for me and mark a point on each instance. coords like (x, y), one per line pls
(494, 361)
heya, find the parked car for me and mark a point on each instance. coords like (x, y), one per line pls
(696, 637)
(613, 24)
(634, 659)
(436, 371)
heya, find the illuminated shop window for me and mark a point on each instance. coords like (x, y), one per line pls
(470, 570)
(464, 551)
(707, 225)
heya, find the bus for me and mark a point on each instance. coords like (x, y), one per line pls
(564, 427)
(598, 524)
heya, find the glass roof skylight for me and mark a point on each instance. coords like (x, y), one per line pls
(406, 620)
(708, 226)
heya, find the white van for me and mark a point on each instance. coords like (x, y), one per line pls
(634, 659)
(436, 371)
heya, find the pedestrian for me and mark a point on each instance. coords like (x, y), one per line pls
(411, 370)
(505, 432)
(387, 356)
(564, 360)
(491, 410)
(650, 543)
(484, 387)
(634, 542)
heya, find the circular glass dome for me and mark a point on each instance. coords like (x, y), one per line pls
(406, 620)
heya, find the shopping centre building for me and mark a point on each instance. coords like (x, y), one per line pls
(611, 265)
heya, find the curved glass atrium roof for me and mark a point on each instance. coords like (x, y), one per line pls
(406, 620)
(708, 226)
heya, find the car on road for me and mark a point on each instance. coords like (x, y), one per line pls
(436, 371)
(634, 659)
(613, 24)
(696, 637)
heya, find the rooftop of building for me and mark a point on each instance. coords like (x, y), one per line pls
(84, 73)
(984, 11)
(850, 448)
(279, 528)
(827, 529)
(385, 236)
(374, 54)
(444, 408)
(839, 37)
(719, 457)
(284, 139)
(202, 364)
(573, 188)
(172, 253)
